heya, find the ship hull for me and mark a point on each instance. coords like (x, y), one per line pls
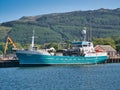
(39, 59)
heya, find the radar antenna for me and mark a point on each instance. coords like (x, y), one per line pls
(84, 34)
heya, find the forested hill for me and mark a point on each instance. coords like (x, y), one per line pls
(58, 27)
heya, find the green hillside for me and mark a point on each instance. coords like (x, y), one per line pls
(59, 27)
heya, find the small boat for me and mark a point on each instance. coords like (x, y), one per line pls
(81, 52)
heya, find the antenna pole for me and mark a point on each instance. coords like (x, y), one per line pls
(90, 28)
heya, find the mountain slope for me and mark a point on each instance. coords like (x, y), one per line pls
(64, 26)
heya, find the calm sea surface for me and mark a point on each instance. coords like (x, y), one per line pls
(87, 77)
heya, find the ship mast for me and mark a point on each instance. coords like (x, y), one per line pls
(32, 43)
(33, 39)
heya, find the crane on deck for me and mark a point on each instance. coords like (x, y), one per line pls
(9, 40)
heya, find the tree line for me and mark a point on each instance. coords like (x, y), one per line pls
(114, 42)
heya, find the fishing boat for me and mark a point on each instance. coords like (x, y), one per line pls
(81, 52)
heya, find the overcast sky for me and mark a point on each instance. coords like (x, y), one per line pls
(15, 9)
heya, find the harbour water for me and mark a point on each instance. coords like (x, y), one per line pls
(84, 77)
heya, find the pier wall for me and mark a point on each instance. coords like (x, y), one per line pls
(115, 59)
(9, 63)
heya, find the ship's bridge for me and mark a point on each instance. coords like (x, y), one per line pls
(83, 45)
